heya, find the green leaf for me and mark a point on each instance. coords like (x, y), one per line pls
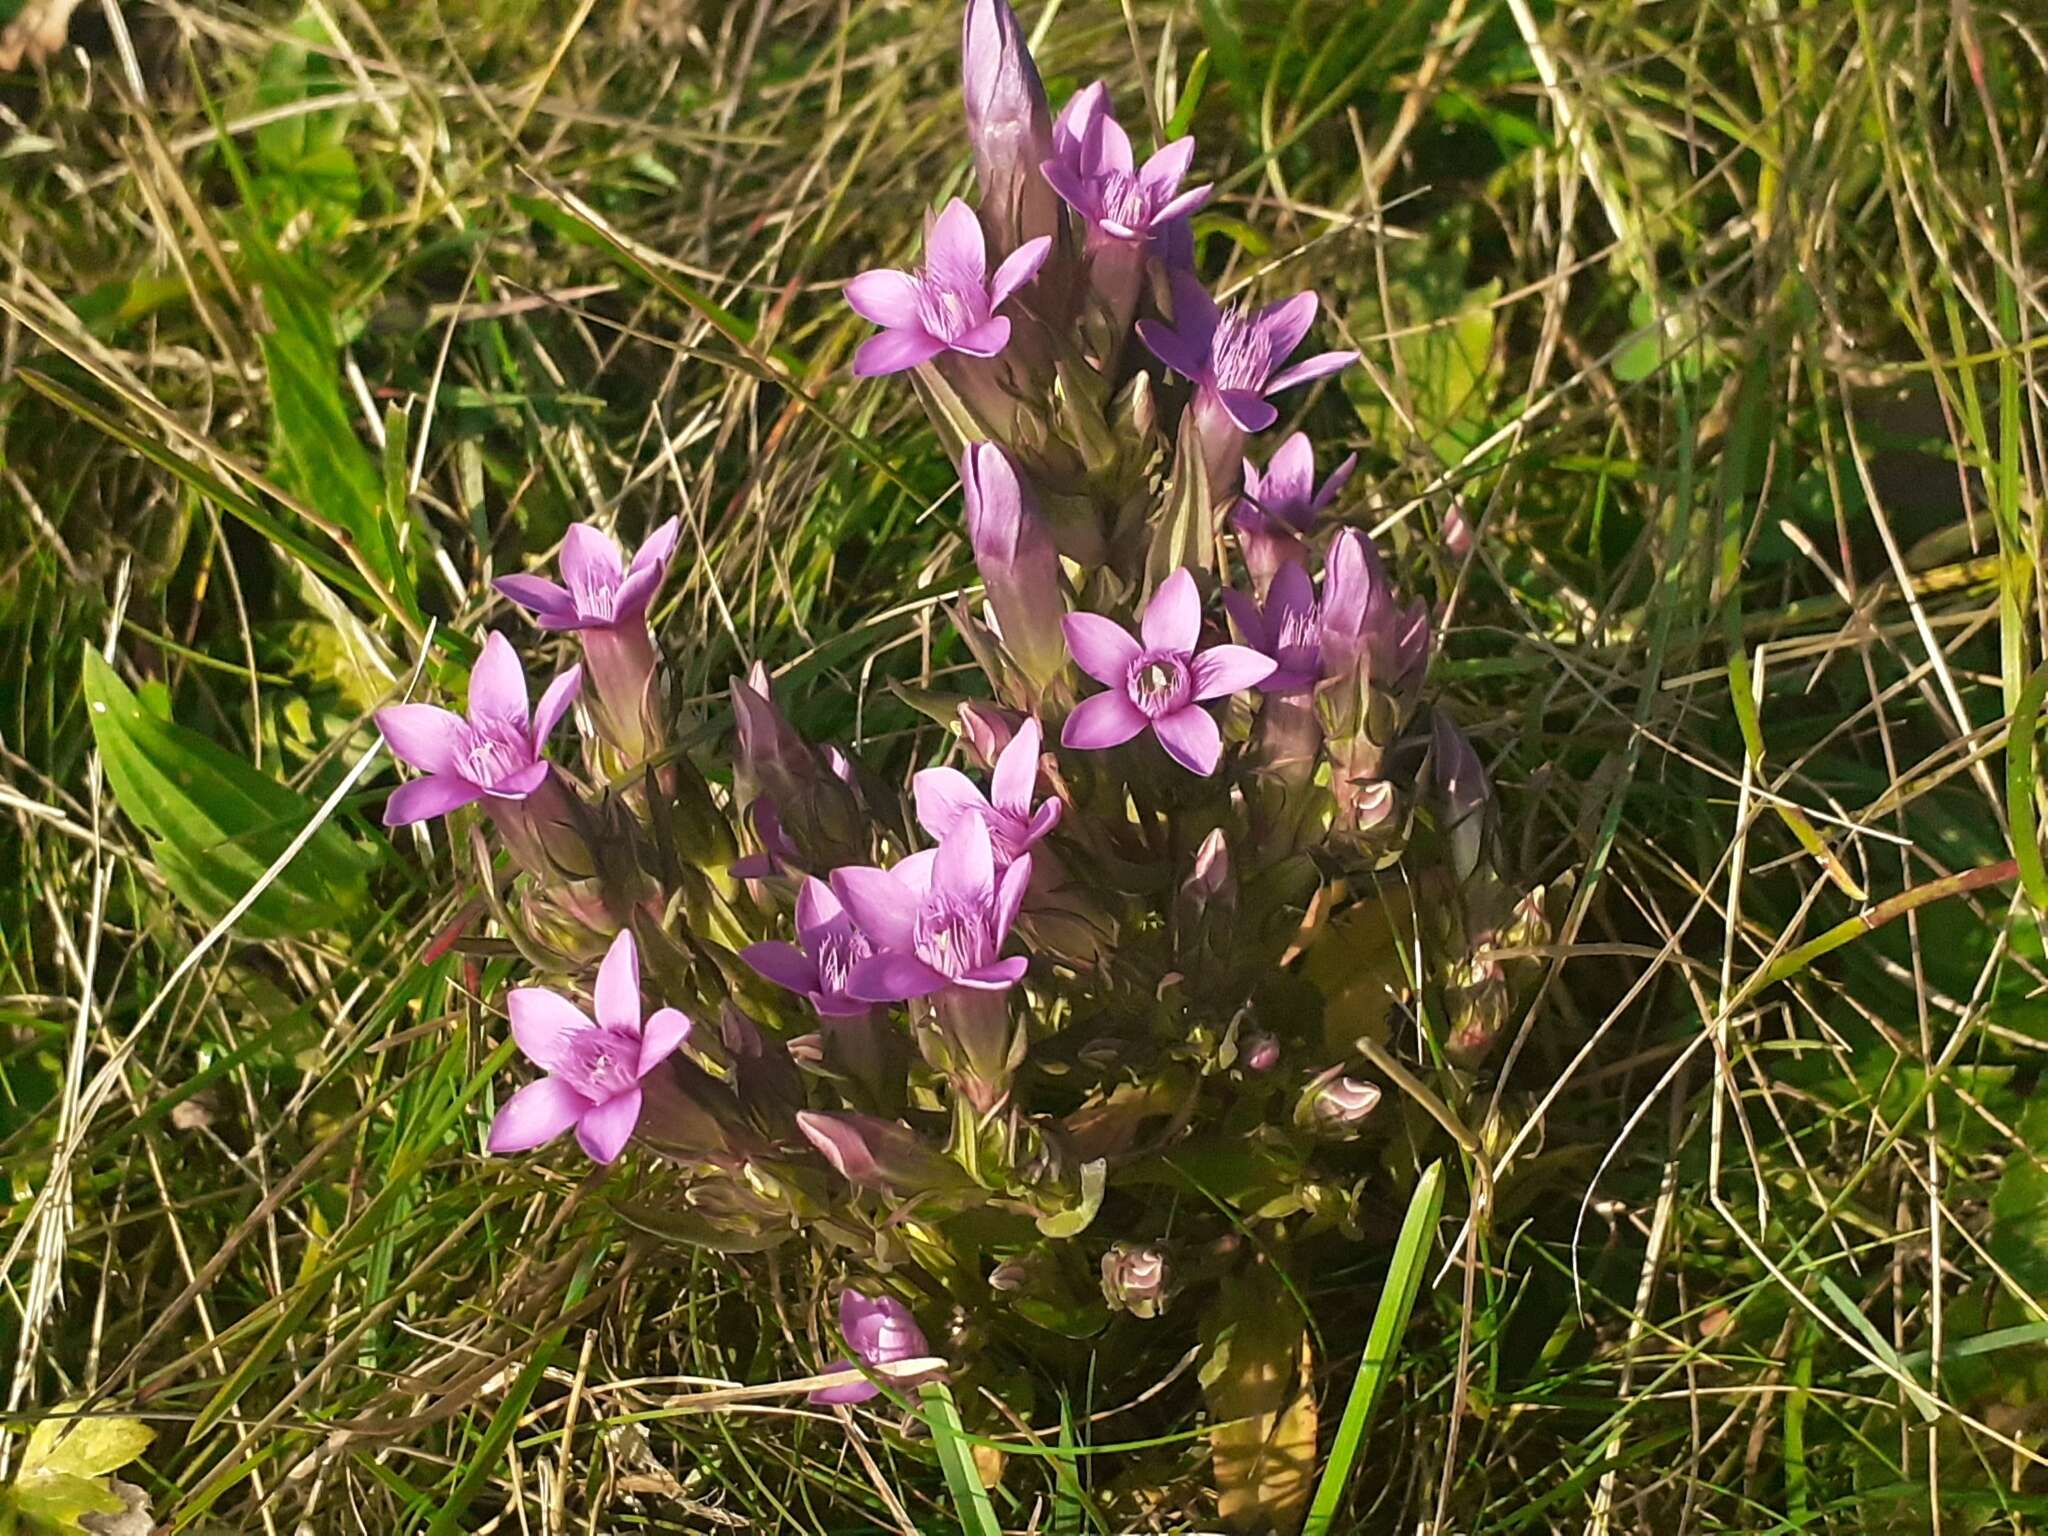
(1072, 1223)
(55, 1501)
(215, 824)
(1255, 1377)
(303, 160)
(1389, 1322)
(84, 1445)
(971, 1506)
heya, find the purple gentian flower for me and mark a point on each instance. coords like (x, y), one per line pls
(880, 1331)
(949, 306)
(938, 919)
(1093, 171)
(495, 752)
(1282, 504)
(945, 795)
(1287, 628)
(1233, 356)
(598, 588)
(1365, 628)
(594, 1069)
(1158, 680)
(832, 947)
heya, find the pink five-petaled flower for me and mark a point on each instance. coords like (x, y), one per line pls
(495, 752)
(1234, 356)
(1158, 679)
(938, 919)
(1288, 628)
(950, 305)
(831, 947)
(598, 588)
(945, 795)
(880, 1331)
(1286, 497)
(593, 1069)
(1092, 169)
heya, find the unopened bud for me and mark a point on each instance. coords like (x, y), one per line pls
(1138, 1277)
(1335, 1105)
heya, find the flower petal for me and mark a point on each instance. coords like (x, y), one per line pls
(554, 704)
(986, 339)
(497, 683)
(1016, 774)
(816, 908)
(1286, 322)
(1101, 647)
(1173, 618)
(943, 796)
(536, 1114)
(1335, 483)
(618, 984)
(590, 559)
(782, 963)
(1195, 314)
(1018, 268)
(1248, 408)
(1191, 738)
(892, 977)
(421, 735)
(635, 592)
(1191, 201)
(886, 297)
(1246, 618)
(657, 548)
(542, 1022)
(1227, 669)
(520, 784)
(966, 867)
(853, 1392)
(423, 799)
(667, 1030)
(1290, 476)
(1316, 367)
(997, 976)
(876, 899)
(1107, 147)
(1178, 352)
(603, 1131)
(549, 602)
(1078, 192)
(894, 351)
(1010, 895)
(1167, 165)
(955, 247)
(1107, 720)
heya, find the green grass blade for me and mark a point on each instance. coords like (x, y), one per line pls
(1389, 1322)
(2020, 774)
(956, 1459)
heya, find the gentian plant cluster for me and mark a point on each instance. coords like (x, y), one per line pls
(1037, 1039)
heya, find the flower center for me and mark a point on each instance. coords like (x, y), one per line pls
(838, 953)
(595, 593)
(889, 1340)
(1298, 639)
(948, 307)
(1157, 684)
(601, 1063)
(1125, 200)
(1240, 357)
(953, 938)
(492, 751)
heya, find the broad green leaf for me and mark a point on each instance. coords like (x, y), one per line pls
(48, 1503)
(1257, 1379)
(215, 824)
(84, 1445)
(304, 167)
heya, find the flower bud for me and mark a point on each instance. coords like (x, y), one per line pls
(1465, 794)
(813, 800)
(987, 729)
(870, 1153)
(1013, 549)
(1008, 124)
(1137, 1277)
(1258, 1052)
(1335, 1105)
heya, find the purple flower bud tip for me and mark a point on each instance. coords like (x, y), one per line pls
(599, 589)
(1457, 532)
(776, 851)
(938, 919)
(1233, 357)
(945, 796)
(987, 729)
(1158, 680)
(949, 305)
(594, 1068)
(495, 752)
(1093, 171)
(879, 1330)
(1457, 770)
(1019, 565)
(1337, 1105)
(1259, 1052)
